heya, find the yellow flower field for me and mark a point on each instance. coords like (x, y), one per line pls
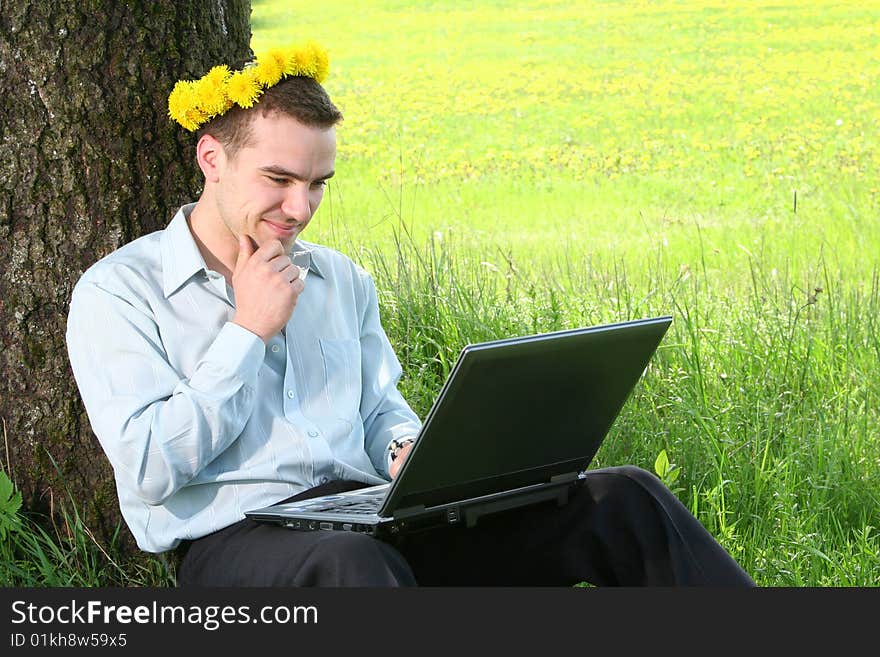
(601, 89)
(601, 119)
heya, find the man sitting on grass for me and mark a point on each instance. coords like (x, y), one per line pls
(218, 381)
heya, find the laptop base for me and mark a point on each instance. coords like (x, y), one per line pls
(467, 513)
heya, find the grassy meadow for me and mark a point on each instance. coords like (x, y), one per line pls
(510, 168)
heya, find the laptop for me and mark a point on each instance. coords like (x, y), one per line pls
(517, 422)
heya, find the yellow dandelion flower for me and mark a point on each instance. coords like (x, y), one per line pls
(211, 91)
(219, 74)
(194, 118)
(290, 61)
(301, 62)
(177, 100)
(320, 59)
(243, 88)
(270, 66)
(182, 104)
(267, 74)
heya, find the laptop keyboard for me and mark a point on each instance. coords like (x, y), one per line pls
(360, 508)
(363, 506)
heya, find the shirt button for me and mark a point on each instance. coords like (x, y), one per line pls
(324, 480)
(290, 394)
(275, 348)
(313, 434)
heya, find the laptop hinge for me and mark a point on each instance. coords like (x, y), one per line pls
(408, 511)
(552, 492)
(562, 478)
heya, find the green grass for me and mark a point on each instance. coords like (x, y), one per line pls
(61, 551)
(765, 400)
(510, 168)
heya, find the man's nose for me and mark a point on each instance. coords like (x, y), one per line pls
(296, 203)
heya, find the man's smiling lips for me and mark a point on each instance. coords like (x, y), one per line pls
(282, 230)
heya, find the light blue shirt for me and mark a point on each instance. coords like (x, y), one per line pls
(199, 418)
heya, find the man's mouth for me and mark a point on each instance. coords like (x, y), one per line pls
(282, 230)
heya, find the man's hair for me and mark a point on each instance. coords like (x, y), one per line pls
(299, 97)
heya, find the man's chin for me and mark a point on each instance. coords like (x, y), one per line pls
(270, 231)
(270, 236)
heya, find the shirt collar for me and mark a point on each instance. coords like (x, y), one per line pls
(181, 258)
(317, 256)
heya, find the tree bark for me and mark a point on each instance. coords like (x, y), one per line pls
(89, 160)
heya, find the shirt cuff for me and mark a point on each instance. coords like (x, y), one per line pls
(238, 351)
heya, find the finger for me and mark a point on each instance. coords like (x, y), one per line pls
(280, 263)
(270, 249)
(297, 286)
(246, 248)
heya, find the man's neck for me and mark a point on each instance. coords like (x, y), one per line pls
(216, 243)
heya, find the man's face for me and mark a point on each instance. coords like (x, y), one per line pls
(272, 187)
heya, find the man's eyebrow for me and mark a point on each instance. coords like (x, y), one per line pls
(276, 170)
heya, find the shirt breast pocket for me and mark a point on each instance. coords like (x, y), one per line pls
(342, 376)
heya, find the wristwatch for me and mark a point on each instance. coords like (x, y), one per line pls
(397, 445)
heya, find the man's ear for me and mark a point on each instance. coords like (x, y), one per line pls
(211, 157)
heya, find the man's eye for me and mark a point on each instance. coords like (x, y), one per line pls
(319, 183)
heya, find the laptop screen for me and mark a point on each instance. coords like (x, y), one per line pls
(521, 411)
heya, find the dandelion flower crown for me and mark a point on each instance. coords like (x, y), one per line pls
(192, 103)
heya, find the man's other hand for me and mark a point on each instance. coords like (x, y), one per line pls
(401, 457)
(266, 285)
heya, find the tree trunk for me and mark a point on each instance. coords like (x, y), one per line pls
(89, 160)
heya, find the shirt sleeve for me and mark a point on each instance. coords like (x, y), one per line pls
(385, 412)
(158, 429)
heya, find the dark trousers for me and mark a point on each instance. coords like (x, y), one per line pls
(621, 526)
